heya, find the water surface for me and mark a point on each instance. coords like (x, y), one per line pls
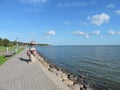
(101, 64)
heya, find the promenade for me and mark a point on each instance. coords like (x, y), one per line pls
(18, 74)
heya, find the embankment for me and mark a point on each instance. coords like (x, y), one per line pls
(72, 81)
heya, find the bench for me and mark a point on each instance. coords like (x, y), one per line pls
(10, 54)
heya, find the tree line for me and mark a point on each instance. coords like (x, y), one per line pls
(6, 42)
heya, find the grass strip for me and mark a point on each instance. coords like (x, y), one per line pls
(3, 49)
(3, 59)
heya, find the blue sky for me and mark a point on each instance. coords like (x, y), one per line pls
(61, 22)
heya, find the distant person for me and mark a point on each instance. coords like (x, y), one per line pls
(32, 52)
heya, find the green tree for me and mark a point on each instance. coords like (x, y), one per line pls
(10, 44)
(14, 42)
(6, 42)
(0, 41)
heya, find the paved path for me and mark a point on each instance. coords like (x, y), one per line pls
(17, 74)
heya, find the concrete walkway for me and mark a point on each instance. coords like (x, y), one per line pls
(17, 74)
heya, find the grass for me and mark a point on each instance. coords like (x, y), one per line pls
(3, 59)
(2, 49)
(19, 50)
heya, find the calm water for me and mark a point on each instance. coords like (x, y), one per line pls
(101, 64)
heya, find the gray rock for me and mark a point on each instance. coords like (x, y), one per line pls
(68, 82)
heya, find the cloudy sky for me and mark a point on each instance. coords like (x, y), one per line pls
(61, 22)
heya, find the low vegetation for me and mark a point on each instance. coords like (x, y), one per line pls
(3, 59)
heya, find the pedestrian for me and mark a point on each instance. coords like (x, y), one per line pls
(32, 52)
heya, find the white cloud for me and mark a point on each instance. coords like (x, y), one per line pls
(99, 19)
(79, 33)
(67, 23)
(51, 32)
(110, 6)
(33, 1)
(112, 32)
(86, 34)
(118, 12)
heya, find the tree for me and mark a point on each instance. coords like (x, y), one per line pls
(10, 44)
(0, 41)
(14, 42)
(6, 42)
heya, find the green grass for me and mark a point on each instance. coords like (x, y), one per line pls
(3, 59)
(2, 49)
(19, 50)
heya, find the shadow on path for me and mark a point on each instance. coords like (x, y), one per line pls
(25, 60)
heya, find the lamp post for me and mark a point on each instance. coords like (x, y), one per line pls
(16, 45)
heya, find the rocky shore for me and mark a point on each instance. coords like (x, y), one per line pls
(75, 83)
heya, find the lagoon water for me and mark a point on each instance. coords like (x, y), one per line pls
(100, 64)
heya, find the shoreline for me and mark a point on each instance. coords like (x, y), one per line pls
(70, 80)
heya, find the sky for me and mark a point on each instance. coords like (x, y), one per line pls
(61, 22)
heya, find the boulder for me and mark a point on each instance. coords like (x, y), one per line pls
(87, 87)
(64, 76)
(75, 87)
(59, 73)
(72, 77)
(53, 70)
(68, 82)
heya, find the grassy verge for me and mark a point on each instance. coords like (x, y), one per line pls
(2, 49)
(19, 50)
(3, 59)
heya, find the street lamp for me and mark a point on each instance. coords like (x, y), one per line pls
(16, 45)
